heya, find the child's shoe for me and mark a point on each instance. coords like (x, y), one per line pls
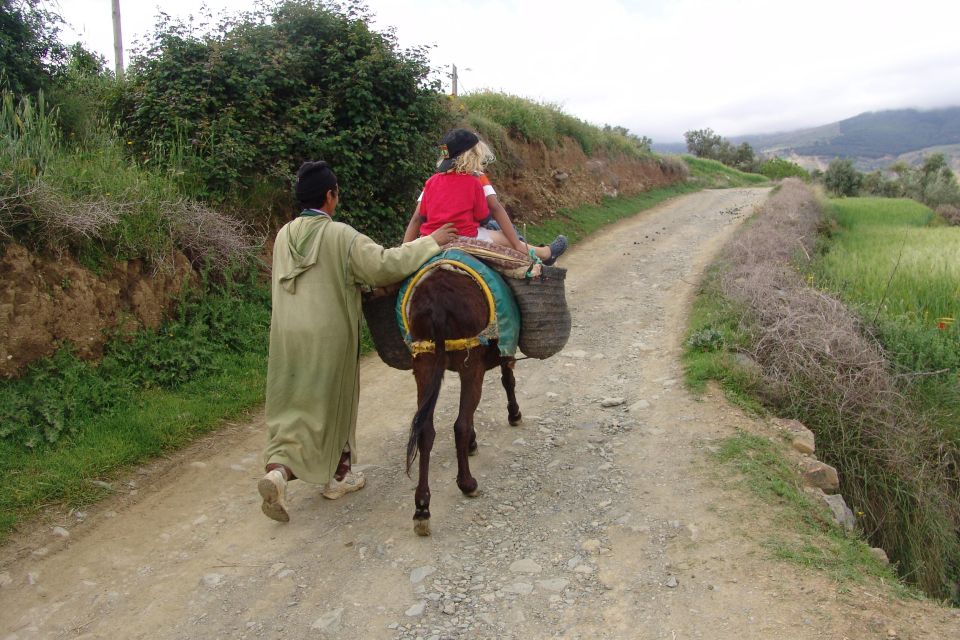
(557, 247)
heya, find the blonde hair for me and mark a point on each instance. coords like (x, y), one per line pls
(474, 160)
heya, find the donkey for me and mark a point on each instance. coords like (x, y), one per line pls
(446, 308)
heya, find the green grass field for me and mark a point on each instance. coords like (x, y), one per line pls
(888, 258)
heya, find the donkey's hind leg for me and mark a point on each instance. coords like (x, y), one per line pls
(471, 387)
(510, 385)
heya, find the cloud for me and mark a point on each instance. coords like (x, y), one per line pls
(663, 67)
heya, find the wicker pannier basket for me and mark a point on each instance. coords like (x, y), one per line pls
(380, 312)
(545, 318)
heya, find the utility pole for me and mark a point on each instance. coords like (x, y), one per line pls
(453, 76)
(117, 39)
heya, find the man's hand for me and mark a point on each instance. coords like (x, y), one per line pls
(446, 233)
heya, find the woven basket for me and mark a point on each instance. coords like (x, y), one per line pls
(380, 312)
(545, 318)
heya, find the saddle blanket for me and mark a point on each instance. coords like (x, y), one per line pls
(504, 322)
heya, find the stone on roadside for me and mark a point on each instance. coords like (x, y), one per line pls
(61, 532)
(639, 405)
(418, 574)
(329, 621)
(611, 402)
(556, 585)
(842, 514)
(821, 475)
(802, 438)
(417, 610)
(671, 582)
(519, 588)
(525, 566)
(879, 554)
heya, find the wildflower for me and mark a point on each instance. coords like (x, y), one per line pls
(944, 323)
(129, 141)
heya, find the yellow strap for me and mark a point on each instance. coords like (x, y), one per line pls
(428, 346)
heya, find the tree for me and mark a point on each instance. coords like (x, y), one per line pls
(703, 143)
(841, 178)
(29, 49)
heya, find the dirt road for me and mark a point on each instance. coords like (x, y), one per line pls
(594, 522)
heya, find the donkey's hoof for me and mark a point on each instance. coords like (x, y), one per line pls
(476, 493)
(421, 527)
(515, 421)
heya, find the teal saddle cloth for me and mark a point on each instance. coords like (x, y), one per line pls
(507, 328)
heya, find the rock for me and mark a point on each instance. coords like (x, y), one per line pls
(555, 584)
(61, 532)
(329, 621)
(802, 438)
(449, 607)
(583, 568)
(611, 402)
(876, 552)
(418, 574)
(821, 475)
(842, 514)
(417, 609)
(519, 588)
(573, 562)
(561, 176)
(102, 484)
(804, 444)
(639, 405)
(525, 566)
(198, 465)
(671, 582)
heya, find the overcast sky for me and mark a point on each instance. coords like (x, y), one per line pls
(657, 67)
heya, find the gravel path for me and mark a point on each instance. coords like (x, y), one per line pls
(602, 516)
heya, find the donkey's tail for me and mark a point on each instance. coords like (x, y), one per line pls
(438, 331)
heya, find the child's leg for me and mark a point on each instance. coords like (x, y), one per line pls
(497, 237)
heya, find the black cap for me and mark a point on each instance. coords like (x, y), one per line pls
(453, 144)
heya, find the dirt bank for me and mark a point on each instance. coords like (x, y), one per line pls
(594, 522)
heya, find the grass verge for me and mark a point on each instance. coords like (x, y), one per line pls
(806, 534)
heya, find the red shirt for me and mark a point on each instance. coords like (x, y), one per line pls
(456, 198)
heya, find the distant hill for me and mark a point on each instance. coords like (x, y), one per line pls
(872, 140)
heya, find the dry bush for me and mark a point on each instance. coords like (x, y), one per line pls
(821, 365)
(950, 213)
(210, 238)
(58, 219)
(673, 167)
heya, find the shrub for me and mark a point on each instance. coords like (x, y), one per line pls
(949, 213)
(777, 169)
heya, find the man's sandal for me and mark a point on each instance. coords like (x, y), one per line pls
(273, 490)
(352, 481)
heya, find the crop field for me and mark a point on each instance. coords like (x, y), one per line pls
(901, 269)
(888, 258)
